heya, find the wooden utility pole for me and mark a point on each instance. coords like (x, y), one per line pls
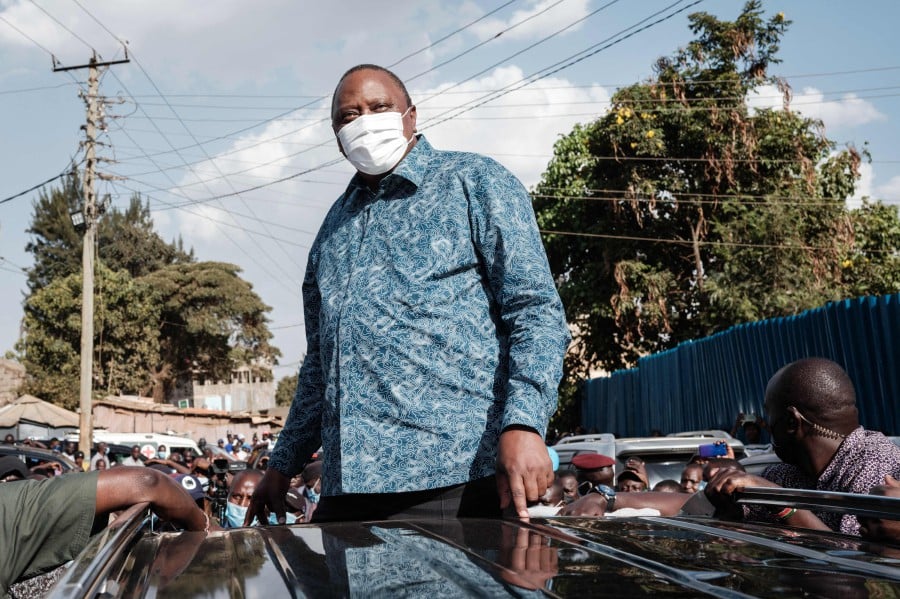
(93, 102)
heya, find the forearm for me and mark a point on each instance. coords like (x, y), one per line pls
(668, 504)
(120, 488)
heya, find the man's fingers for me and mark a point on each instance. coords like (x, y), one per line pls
(503, 490)
(517, 491)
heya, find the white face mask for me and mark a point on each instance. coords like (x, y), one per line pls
(374, 143)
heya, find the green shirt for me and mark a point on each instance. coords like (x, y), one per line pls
(44, 524)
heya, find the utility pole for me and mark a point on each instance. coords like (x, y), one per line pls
(92, 100)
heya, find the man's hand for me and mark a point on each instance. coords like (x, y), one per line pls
(524, 469)
(592, 504)
(269, 497)
(721, 487)
(528, 560)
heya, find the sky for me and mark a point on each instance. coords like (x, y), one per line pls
(220, 120)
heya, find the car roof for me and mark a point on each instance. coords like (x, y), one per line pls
(37, 454)
(574, 557)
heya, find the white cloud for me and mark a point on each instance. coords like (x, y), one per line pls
(518, 129)
(847, 112)
(888, 192)
(555, 18)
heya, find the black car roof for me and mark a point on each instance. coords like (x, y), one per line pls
(571, 557)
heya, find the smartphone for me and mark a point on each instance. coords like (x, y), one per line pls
(713, 450)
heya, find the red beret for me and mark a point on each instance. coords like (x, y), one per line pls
(592, 461)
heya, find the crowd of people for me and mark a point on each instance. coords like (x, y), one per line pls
(435, 344)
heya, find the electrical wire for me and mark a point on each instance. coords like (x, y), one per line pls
(38, 186)
(690, 242)
(63, 25)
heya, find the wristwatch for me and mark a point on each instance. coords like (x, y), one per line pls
(609, 494)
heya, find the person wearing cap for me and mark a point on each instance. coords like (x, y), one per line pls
(194, 487)
(630, 481)
(593, 469)
(45, 523)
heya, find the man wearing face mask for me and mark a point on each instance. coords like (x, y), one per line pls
(435, 334)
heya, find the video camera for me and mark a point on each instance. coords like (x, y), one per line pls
(218, 487)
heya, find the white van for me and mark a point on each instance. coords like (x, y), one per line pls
(148, 442)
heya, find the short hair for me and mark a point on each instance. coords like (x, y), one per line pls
(668, 486)
(370, 67)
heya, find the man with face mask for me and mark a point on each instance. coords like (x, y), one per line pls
(435, 334)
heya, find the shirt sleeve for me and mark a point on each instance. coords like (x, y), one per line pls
(525, 298)
(44, 523)
(302, 432)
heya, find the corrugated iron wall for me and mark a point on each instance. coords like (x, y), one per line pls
(704, 383)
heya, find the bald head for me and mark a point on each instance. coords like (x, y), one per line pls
(820, 389)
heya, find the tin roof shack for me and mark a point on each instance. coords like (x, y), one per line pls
(134, 414)
(29, 416)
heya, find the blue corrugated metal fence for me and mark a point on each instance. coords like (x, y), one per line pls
(705, 383)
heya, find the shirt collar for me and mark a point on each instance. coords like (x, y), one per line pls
(410, 168)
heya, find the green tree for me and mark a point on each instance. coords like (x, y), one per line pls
(682, 211)
(286, 389)
(211, 321)
(205, 322)
(125, 341)
(55, 244)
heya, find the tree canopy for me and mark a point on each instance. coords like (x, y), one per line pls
(683, 211)
(161, 318)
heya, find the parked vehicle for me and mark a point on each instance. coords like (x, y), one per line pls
(664, 457)
(148, 442)
(687, 556)
(34, 456)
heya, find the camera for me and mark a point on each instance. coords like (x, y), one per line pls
(218, 487)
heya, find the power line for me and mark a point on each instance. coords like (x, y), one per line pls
(572, 60)
(38, 186)
(63, 25)
(451, 34)
(38, 89)
(595, 49)
(28, 37)
(690, 242)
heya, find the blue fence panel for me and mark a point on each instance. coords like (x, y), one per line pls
(703, 383)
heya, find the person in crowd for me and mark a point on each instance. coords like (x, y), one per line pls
(162, 452)
(312, 488)
(716, 464)
(554, 496)
(9, 439)
(101, 464)
(240, 493)
(814, 423)
(48, 522)
(593, 469)
(135, 458)
(79, 460)
(569, 483)
(668, 485)
(455, 306)
(55, 444)
(221, 444)
(749, 429)
(630, 481)
(192, 485)
(12, 469)
(692, 478)
(69, 449)
(102, 448)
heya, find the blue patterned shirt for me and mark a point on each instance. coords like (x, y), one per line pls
(432, 324)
